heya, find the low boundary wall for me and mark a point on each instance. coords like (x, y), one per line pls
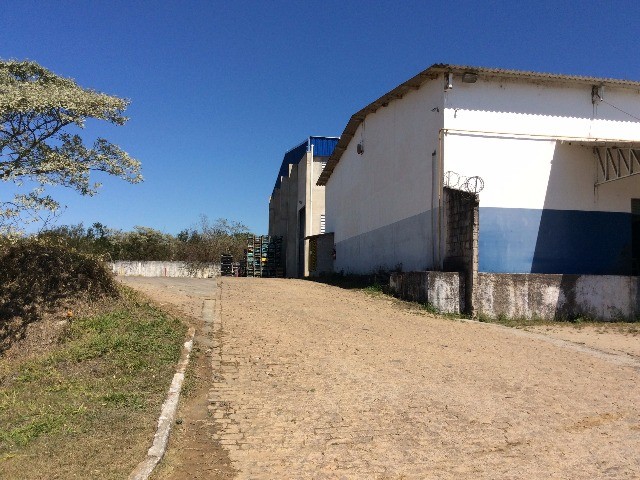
(442, 290)
(601, 297)
(548, 297)
(161, 269)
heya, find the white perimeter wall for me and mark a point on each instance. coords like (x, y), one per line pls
(374, 201)
(125, 268)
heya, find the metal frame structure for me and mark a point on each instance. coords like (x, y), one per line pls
(615, 163)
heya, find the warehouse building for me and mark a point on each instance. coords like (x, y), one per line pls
(488, 170)
(297, 204)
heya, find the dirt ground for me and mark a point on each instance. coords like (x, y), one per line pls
(312, 381)
(615, 338)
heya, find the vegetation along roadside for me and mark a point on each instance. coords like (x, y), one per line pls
(82, 381)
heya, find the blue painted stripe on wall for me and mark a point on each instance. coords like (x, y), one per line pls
(519, 240)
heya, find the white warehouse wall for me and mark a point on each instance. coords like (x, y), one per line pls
(539, 210)
(379, 203)
(530, 141)
(534, 108)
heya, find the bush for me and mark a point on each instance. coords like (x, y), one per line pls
(39, 275)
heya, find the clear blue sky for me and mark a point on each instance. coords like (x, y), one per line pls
(220, 90)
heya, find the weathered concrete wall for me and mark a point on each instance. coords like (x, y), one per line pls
(160, 269)
(604, 297)
(442, 290)
(548, 297)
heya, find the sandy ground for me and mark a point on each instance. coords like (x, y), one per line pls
(313, 381)
(612, 338)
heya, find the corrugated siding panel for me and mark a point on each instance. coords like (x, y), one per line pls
(323, 146)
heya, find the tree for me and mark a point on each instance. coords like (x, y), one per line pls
(204, 245)
(39, 111)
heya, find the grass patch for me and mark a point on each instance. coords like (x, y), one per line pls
(515, 322)
(375, 289)
(87, 406)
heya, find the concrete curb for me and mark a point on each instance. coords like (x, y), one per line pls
(167, 415)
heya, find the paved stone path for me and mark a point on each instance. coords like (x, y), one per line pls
(314, 382)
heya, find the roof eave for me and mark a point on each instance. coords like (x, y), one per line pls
(431, 73)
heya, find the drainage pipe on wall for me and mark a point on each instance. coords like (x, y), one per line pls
(310, 220)
(433, 226)
(440, 195)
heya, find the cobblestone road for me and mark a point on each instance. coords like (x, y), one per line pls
(314, 382)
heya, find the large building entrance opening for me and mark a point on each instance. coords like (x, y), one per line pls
(635, 236)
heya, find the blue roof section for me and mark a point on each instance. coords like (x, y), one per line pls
(322, 147)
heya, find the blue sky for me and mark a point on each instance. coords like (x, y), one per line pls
(220, 90)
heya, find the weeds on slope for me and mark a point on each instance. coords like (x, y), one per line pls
(86, 407)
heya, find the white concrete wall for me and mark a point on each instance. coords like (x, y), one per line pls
(550, 297)
(525, 173)
(316, 196)
(290, 241)
(160, 269)
(379, 203)
(443, 291)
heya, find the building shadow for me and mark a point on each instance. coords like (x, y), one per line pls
(572, 239)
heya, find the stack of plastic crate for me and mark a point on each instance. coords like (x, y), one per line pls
(264, 257)
(226, 265)
(257, 256)
(248, 258)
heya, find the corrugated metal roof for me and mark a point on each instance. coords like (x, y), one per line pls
(322, 147)
(433, 72)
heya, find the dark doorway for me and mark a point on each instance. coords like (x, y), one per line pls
(301, 234)
(635, 236)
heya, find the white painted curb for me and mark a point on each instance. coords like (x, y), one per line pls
(167, 415)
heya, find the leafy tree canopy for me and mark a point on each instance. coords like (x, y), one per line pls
(37, 110)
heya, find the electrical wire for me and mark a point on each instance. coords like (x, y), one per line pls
(619, 109)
